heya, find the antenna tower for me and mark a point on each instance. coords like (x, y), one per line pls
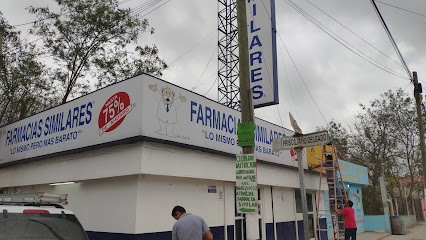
(228, 67)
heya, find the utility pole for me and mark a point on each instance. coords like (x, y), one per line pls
(247, 115)
(417, 90)
(1, 49)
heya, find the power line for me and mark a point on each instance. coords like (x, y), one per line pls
(155, 9)
(391, 39)
(353, 32)
(288, 81)
(296, 70)
(194, 87)
(217, 77)
(300, 75)
(144, 6)
(401, 9)
(191, 48)
(337, 37)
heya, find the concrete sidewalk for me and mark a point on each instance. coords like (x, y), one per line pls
(417, 232)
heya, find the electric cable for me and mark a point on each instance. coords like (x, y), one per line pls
(154, 9)
(296, 70)
(143, 7)
(217, 77)
(300, 75)
(190, 49)
(353, 32)
(194, 87)
(401, 8)
(289, 86)
(336, 38)
(379, 15)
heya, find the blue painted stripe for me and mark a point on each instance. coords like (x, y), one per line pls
(286, 231)
(270, 231)
(230, 232)
(216, 231)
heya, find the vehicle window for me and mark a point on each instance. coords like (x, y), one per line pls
(21, 226)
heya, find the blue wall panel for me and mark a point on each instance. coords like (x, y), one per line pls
(270, 231)
(230, 230)
(286, 231)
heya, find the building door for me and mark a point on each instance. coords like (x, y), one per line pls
(310, 199)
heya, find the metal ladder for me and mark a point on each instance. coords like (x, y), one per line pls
(336, 195)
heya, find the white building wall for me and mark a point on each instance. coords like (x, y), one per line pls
(132, 188)
(103, 205)
(283, 204)
(113, 161)
(160, 194)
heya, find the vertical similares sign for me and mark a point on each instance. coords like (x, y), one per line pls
(246, 183)
(262, 52)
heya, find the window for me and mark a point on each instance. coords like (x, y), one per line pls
(298, 199)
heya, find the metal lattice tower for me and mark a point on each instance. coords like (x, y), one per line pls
(228, 71)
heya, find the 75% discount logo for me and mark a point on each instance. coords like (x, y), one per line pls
(113, 112)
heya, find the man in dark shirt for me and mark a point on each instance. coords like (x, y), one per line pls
(350, 223)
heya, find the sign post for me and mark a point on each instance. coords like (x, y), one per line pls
(298, 142)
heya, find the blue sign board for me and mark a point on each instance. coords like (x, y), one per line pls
(353, 173)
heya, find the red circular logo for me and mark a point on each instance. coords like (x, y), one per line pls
(113, 112)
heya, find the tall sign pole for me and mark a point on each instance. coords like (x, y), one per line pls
(252, 220)
(303, 193)
(417, 90)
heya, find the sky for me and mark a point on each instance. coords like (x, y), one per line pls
(320, 82)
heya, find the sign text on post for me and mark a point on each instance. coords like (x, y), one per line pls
(246, 183)
(307, 140)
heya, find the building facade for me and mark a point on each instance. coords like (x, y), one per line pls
(135, 149)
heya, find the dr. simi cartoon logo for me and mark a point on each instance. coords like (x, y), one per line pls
(167, 108)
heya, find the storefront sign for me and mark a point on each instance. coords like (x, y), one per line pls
(246, 183)
(262, 52)
(142, 106)
(353, 173)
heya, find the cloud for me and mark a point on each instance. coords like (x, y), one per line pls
(336, 78)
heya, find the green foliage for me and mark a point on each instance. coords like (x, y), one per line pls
(24, 86)
(384, 137)
(90, 38)
(339, 137)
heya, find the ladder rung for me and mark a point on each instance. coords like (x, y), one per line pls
(335, 167)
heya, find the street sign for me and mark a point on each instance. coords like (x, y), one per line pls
(246, 183)
(246, 134)
(307, 140)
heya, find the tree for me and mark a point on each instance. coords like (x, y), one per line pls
(384, 138)
(338, 135)
(24, 86)
(93, 36)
